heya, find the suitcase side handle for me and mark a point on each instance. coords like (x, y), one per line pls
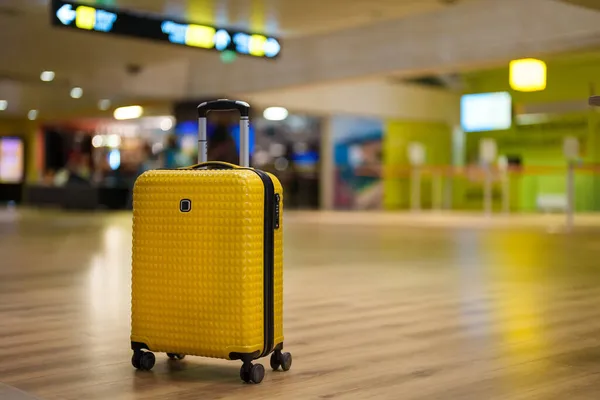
(224, 105)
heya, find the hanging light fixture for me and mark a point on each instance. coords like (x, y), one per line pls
(527, 75)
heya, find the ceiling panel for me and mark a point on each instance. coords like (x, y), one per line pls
(119, 68)
(592, 4)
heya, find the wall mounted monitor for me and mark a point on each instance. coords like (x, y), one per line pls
(482, 112)
(102, 20)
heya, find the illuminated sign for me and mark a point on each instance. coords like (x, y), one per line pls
(124, 23)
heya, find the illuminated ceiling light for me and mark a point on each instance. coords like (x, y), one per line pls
(47, 76)
(97, 141)
(104, 104)
(275, 113)
(76, 92)
(527, 75)
(129, 112)
(3, 105)
(32, 115)
(166, 124)
(114, 141)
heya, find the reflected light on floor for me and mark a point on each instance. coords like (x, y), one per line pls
(519, 309)
(108, 279)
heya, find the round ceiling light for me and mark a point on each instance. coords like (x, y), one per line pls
(47, 76)
(76, 92)
(275, 113)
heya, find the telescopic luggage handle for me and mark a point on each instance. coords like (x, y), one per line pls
(224, 105)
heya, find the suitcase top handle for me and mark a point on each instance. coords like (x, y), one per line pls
(213, 165)
(224, 105)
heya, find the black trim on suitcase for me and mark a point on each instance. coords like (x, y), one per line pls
(269, 262)
(270, 212)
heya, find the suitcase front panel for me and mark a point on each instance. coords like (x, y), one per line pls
(197, 278)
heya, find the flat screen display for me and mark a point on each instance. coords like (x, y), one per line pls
(11, 160)
(486, 112)
(103, 20)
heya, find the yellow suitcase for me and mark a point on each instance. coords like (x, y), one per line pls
(207, 262)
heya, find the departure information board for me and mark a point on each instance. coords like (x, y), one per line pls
(125, 23)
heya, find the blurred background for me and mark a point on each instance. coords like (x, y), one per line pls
(381, 118)
(340, 94)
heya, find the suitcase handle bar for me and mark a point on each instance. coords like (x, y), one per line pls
(224, 105)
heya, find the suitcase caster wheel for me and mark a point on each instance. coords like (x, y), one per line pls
(254, 373)
(176, 356)
(143, 360)
(279, 359)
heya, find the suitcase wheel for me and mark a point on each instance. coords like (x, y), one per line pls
(175, 356)
(252, 373)
(143, 360)
(280, 359)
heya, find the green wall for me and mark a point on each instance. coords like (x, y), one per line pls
(437, 139)
(570, 78)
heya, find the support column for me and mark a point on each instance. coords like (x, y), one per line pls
(327, 167)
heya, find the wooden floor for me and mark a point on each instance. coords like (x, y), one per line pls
(383, 310)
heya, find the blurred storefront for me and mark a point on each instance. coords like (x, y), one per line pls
(18, 158)
(287, 145)
(93, 163)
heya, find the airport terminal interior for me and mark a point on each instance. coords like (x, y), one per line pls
(413, 209)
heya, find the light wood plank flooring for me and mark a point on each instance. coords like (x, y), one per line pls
(375, 307)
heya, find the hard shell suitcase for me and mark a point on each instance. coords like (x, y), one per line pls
(207, 260)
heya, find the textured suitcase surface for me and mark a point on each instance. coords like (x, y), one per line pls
(198, 277)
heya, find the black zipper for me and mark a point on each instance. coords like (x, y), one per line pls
(269, 260)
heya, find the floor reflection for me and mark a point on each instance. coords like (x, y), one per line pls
(518, 261)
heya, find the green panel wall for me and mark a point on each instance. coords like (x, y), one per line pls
(570, 78)
(437, 139)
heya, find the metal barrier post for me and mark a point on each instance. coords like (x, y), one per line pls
(415, 188)
(416, 156)
(570, 195)
(487, 190)
(503, 167)
(437, 189)
(487, 155)
(571, 152)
